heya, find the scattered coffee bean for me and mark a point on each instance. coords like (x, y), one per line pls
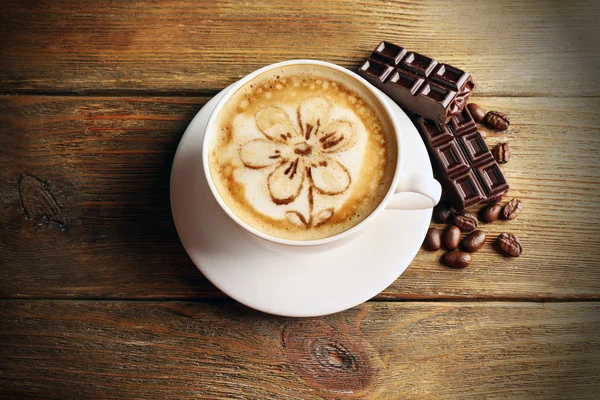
(512, 209)
(465, 221)
(497, 120)
(443, 212)
(476, 111)
(457, 259)
(433, 240)
(451, 237)
(510, 244)
(474, 241)
(490, 213)
(502, 153)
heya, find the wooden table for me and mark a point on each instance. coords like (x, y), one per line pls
(99, 299)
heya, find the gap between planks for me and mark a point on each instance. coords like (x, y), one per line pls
(212, 93)
(227, 300)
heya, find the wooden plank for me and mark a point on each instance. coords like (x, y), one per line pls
(529, 47)
(127, 350)
(106, 163)
(98, 168)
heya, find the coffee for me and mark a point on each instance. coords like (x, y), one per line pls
(302, 152)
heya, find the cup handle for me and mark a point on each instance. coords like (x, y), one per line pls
(415, 192)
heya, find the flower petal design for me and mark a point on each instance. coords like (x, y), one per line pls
(313, 113)
(275, 124)
(322, 217)
(285, 182)
(329, 177)
(337, 136)
(296, 218)
(260, 153)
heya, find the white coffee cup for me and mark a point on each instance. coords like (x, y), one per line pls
(418, 191)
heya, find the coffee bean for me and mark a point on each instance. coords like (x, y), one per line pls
(476, 111)
(451, 237)
(457, 259)
(443, 212)
(433, 240)
(497, 120)
(512, 209)
(502, 153)
(490, 213)
(474, 241)
(465, 221)
(510, 244)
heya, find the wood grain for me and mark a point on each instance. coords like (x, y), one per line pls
(92, 176)
(106, 162)
(127, 350)
(532, 48)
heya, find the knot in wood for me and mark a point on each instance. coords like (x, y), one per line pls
(39, 204)
(334, 355)
(328, 358)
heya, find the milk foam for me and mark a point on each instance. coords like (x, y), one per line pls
(302, 156)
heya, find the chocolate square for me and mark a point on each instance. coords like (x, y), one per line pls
(437, 94)
(475, 149)
(406, 81)
(449, 76)
(433, 132)
(389, 53)
(376, 70)
(450, 159)
(419, 64)
(467, 189)
(491, 178)
(462, 123)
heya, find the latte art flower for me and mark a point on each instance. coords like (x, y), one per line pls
(295, 156)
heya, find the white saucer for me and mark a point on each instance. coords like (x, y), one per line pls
(291, 284)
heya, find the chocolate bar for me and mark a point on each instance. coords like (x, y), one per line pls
(418, 83)
(462, 162)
